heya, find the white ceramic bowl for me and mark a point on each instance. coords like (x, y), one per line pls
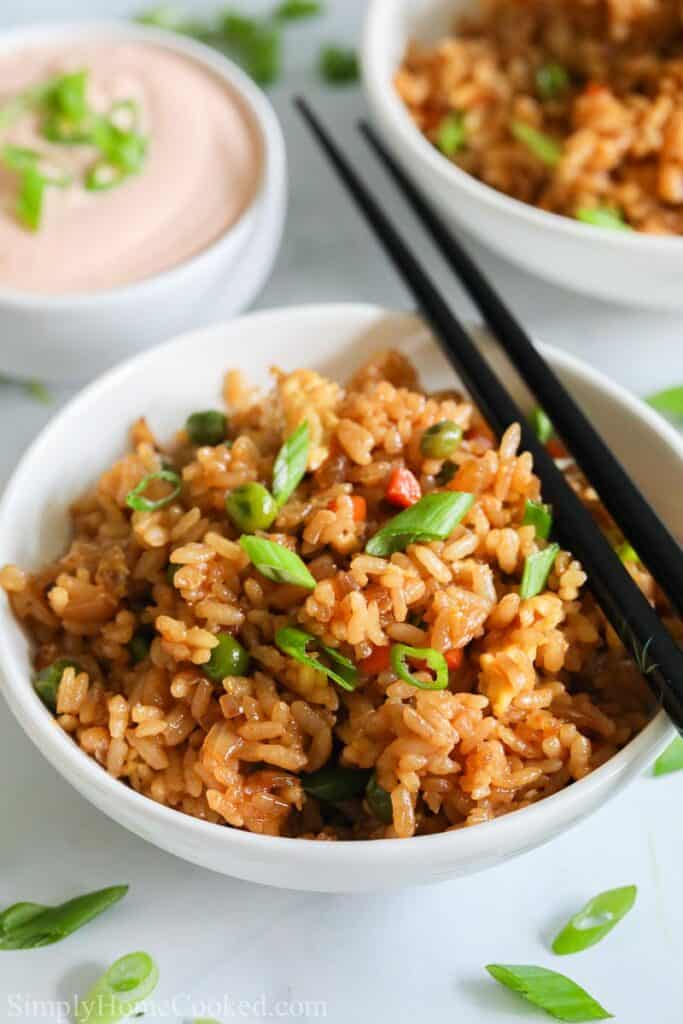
(623, 267)
(168, 383)
(76, 336)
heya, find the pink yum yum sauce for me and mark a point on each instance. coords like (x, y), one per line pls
(136, 160)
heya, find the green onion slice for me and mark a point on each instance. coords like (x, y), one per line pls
(558, 995)
(434, 659)
(551, 81)
(30, 925)
(126, 983)
(669, 403)
(379, 801)
(338, 66)
(433, 517)
(541, 425)
(294, 642)
(543, 146)
(596, 920)
(671, 760)
(137, 501)
(293, 10)
(335, 783)
(536, 571)
(256, 43)
(37, 390)
(603, 217)
(450, 135)
(538, 515)
(290, 464)
(627, 553)
(31, 198)
(276, 562)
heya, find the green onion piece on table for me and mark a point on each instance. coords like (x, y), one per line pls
(295, 643)
(276, 562)
(338, 66)
(256, 43)
(30, 925)
(543, 146)
(335, 783)
(596, 920)
(538, 515)
(669, 403)
(558, 995)
(294, 10)
(671, 760)
(450, 134)
(537, 568)
(137, 500)
(128, 981)
(290, 464)
(433, 517)
(433, 659)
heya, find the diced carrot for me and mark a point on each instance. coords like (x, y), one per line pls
(454, 658)
(360, 507)
(556, 449)
(595, 88)
(376, 662)
(403, 488)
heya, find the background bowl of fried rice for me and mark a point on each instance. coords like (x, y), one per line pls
(186, 374)
(626, 267)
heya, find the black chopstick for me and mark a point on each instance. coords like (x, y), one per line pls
(636, 518)
(636, 623)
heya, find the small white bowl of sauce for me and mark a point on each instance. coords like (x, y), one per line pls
(141, 173)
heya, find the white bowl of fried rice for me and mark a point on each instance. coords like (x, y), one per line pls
(141, 643)
(553, 133)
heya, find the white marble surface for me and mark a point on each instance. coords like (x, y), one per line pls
(397, 957)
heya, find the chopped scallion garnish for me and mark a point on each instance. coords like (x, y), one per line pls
(136, 498)
(128, 981)
(290, 464)
(335, 783)
(603, 217)
(558, 995)
(433, 517)
(450, 135)
(379, 801)
(669, 403)
(541, 425)
(276, 562)
(537, 568)
(400, 653)
(551, 81)
(538, 515)
(627, 553)
(294, 10)
(543, 146)
(30, 925)
(295, 643)
(671, 760)
(595, 920)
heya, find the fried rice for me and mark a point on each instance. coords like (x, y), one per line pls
(601, 80)
(539, 690)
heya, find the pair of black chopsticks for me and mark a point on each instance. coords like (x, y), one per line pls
(637, 624)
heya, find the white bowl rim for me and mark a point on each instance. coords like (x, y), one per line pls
(71, 761)
(385, 96)
(258, 105)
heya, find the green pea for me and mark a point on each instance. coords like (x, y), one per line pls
(48, 679)
(441, 440)
(251, 507)
(206, 428)
(140, 644)
(229, 658)
(379, 801)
